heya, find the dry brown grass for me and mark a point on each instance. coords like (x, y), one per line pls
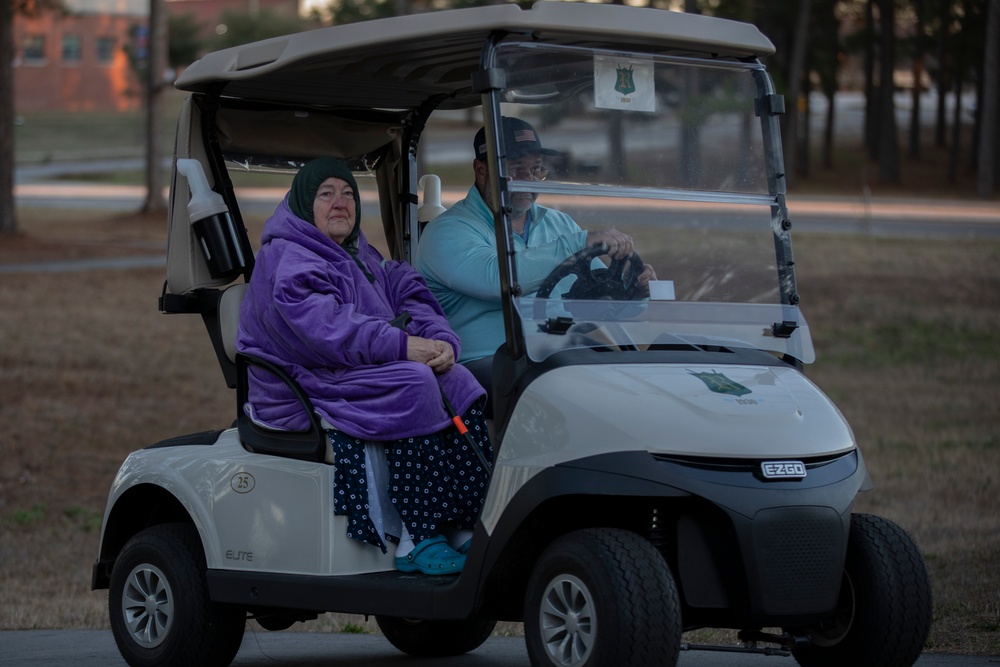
(907, 338)
(89, 371)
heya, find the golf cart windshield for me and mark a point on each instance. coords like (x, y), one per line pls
(674, 152)
(662, 125)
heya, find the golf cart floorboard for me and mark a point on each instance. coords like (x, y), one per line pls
(383, 593)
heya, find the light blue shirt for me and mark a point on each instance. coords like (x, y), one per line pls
(458, 259)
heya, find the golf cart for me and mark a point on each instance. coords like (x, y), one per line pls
(662, 462)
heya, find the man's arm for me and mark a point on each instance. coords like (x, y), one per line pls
(459, 256)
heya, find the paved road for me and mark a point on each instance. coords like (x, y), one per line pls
(36, 185)
(844, 215)
(96, 648)
(880, 216)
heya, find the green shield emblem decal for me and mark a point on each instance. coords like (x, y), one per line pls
(624, 84)
(720, 384)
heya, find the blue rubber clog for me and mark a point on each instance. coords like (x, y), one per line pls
(432, 556)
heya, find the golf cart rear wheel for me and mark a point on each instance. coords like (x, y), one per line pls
(884, 611)
(602, 596)
(159, 605)
(435, 639)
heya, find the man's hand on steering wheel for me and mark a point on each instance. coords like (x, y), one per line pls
(618, 281)
(643, 280)
(617, 245)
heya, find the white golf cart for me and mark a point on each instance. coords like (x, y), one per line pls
(662, 462)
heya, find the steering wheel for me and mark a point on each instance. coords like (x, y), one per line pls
(618, 282)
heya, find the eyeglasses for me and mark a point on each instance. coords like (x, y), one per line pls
(520, 172)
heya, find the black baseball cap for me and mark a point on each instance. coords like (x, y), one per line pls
(519, 138)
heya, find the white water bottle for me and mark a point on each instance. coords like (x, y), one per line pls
(212, 224)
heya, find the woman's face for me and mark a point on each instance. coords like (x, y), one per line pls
(334, 209)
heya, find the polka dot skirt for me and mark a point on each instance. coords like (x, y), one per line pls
(434, 480)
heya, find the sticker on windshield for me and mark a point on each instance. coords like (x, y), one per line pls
(662, 290)
(720, 384)
(624, 83)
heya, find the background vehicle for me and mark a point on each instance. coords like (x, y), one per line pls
(662, 464)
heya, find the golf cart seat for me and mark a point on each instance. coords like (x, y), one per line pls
(229, 317)
(309, 445)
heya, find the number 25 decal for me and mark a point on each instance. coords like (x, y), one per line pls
(242, 482)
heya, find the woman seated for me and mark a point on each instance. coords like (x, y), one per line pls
(325, 305)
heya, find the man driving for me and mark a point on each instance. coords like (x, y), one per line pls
(458, 252)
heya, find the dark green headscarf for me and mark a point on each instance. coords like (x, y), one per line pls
(307, 182)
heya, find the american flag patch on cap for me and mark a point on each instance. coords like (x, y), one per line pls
(524, 135)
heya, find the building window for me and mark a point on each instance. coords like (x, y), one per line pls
(34, 48)
(105, 50)
(71, 49)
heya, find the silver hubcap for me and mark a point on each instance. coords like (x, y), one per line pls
(834, 631)
(567, 622)
(148, 605)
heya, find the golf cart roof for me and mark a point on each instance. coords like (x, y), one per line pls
(401, 62)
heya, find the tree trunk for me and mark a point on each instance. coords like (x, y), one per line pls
(888, 148)
(977, 113)
(941, 126)
(804, 123)
(746, 142)
(871, 97)
(986, 178)
(831, 107)
(794, 110)
(689, 167)
(616, 143)
(918, 72)
(155, 88)
(956, 131)
(8, 209)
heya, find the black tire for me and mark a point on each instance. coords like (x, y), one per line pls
(435, 639)
(159, 605)
(602, 597)
(884, 611)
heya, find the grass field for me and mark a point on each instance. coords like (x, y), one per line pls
(905, 331)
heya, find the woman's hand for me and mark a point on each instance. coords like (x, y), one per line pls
(437, 354)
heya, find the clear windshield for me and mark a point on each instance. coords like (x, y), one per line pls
(671, 152)
(639, 121)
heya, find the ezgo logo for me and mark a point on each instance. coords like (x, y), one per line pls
(783, 469)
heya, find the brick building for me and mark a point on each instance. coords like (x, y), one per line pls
(76, 60)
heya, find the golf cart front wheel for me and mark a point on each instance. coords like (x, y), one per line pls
(883, 614)
(602, 596)
(160, 610)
